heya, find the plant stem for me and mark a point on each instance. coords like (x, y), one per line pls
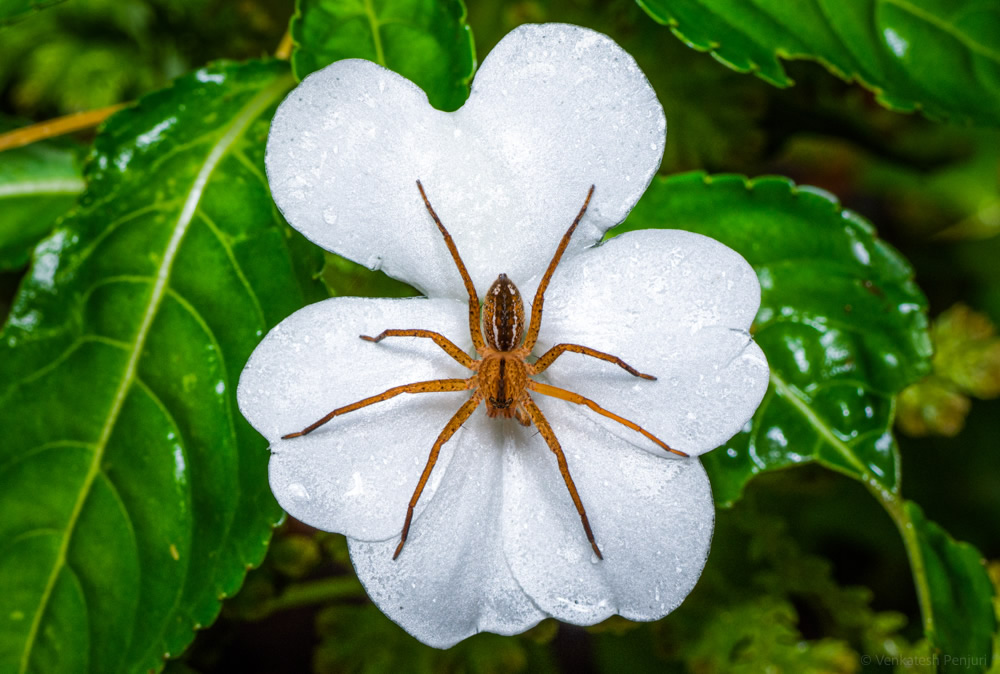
(893, 503)
(57, 127)
(896, 507)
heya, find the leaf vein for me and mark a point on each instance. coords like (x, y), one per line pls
(238, 125)
(221, 238)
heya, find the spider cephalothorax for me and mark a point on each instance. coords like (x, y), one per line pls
(501, 377)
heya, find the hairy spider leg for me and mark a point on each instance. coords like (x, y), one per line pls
(470, 288)
(463, 413)
(550, 439)
(432, 386)
(536, 305)
(449, 347)
(550, 356)
(563, 394)
(522, 416)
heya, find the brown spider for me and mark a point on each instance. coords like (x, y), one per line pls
(502, 373)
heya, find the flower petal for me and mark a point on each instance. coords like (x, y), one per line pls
(672, 304)
(553, 109)
(355, 474)
(451, 579)
(652, 518)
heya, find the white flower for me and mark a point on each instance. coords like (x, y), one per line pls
(496, 543)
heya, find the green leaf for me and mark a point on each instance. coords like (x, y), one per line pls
(844, 329)
(425, 41)
(964, 622)
(941, 56)
(842, 323)
(134, 496)
(12, 11)
(38, 183)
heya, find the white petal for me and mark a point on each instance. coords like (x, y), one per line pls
(354, 475)
(672, 304)
(553, 109)
(652, 518)
(451, 579)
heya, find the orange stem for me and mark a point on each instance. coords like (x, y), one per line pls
(56, 127)
(91, 118)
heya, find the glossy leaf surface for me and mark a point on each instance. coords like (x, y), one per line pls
(942, 56)
(38, 183)
(425, 41)
(842, 323)
(844, 329)
(134, 494)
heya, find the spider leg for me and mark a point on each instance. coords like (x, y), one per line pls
(449, 347)
(432, 386)
(550, 439)
(522, 416)
(536, 305)
(550, 356)
(470, 288)
(563, 394)
(461, 415)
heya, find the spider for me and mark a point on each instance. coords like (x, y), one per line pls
(501, 377)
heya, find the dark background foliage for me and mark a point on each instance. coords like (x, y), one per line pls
(812, 565)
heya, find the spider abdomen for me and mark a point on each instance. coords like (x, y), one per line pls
(503, 315)
(503, 381)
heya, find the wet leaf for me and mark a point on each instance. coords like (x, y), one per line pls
(844, 329)
(941, 56)
(134, 496)
(842, 323)
(425, 41)
(38, 183)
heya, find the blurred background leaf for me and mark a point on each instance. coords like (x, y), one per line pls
(12, 11)
(939, 56)
(764, 602)
(81, 55)
(140, 310)
(38, 183)
(966, 363)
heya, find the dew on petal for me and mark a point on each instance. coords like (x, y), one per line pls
(298, 492)
(496, 542)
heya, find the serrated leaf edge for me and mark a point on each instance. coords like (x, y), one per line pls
(905, 105)
(892, 501)
(237, 127)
